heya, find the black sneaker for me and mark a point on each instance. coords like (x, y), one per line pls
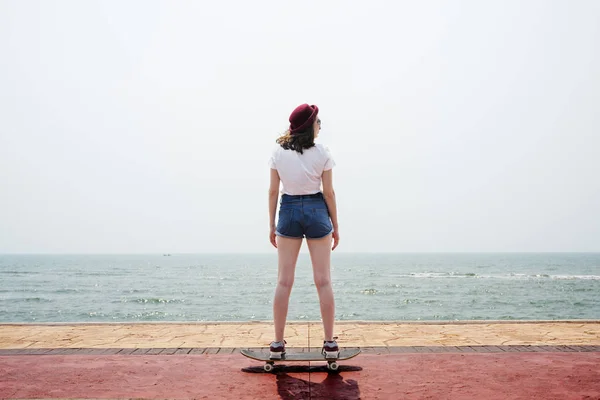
(277, 349)
(330, 349)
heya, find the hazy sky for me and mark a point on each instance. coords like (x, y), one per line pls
(146, 127)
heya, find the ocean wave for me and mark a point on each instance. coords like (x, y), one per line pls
(441, 275)
(584, 277)
(99, 273)
(149, 315)
(369, 291)
(12, 272)
(498, 276)
(153, 300)
(31, 299)
(67, 291)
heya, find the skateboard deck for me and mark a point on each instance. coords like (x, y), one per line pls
(311, 356)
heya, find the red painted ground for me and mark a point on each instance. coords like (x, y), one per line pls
(401, 376)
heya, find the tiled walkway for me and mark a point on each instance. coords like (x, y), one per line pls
(351, 334)
(475, 360)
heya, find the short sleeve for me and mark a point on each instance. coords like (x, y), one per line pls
(329, 161)
(273, 159)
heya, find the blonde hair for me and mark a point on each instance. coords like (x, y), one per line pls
(298, 141)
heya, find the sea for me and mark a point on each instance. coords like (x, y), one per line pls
(240, 287)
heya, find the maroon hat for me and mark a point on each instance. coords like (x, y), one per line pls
(302, 117)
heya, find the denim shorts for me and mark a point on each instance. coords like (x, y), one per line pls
(303, 216)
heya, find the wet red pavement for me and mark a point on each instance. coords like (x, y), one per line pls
(509, 375)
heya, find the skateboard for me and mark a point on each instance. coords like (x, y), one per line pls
(332, 364)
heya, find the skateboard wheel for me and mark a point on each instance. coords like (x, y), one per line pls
(332, 366)
(268, 367)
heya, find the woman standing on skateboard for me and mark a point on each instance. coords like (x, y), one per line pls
(307, 209)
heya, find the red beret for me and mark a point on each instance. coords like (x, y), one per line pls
(302, 117)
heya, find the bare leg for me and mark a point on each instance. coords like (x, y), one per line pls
(320, 255)
(287, 252)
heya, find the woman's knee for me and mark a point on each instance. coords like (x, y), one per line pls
(286, 282)
(322, 281)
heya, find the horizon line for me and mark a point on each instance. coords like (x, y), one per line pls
(333, 253)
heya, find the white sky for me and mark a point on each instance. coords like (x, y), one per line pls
(145, 126)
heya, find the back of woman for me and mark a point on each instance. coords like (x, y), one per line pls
(301, 171)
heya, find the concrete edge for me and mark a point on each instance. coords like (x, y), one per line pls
(375, 350)
(344, 322)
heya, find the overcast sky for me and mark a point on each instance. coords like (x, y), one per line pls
(146, 126)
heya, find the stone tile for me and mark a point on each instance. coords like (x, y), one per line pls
(591, 348)
(576, 348)
(466, 349)
(140, 351)
(493, 349)
(508, 349)
(375, 350)
(168, 351)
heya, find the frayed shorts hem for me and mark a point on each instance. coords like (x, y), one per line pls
(286, 236)
(320, 237)
(302, 237)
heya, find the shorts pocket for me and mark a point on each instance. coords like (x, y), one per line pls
(322, 216)
(284, 221)
(320, 223)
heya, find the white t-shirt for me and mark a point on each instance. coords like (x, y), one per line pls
(301, 173)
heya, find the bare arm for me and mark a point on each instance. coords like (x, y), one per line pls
(273, 196)
(329, 195)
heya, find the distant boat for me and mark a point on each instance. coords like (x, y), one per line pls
(166, 255)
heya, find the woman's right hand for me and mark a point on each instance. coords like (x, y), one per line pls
(336, 239)
(272, 237)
